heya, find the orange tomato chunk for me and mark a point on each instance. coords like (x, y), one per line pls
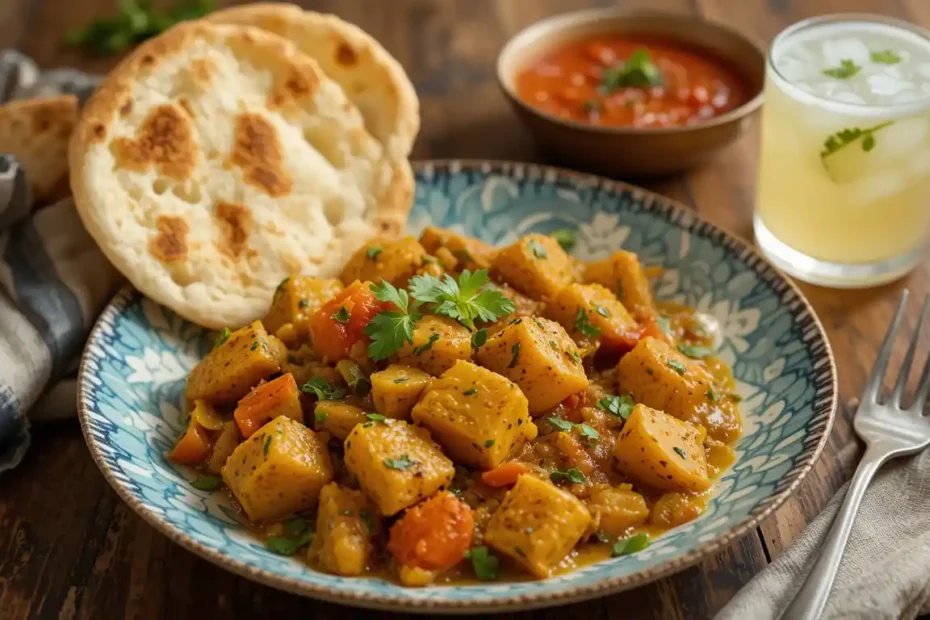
(433, 535)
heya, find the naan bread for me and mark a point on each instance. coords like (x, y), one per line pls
(36, 131)
(367, 73)
(217, 160)
(369, 76)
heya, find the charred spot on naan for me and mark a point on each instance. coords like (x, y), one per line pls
(294, 83)
(234, 223)
(164, 139)
(257, 151)
(170, 242)
(345, 55)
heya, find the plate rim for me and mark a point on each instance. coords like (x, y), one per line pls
(504, 602)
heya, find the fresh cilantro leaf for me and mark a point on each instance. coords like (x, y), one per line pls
(488, 443)
(470, 391)
(735, 398)
(375, 417)
(289, 546)
(638, 71)
(588, 432)
(403, 463)
(483, 562)
(341, 315)
(322, 389)
(620, 406)
(401, 379)
(885, 57)
(583, 325)
(664, 325)
(320, 417)
(223, 337)
(426, 346)
(604, 312)
(388, 293)
(676, 366)
(695, 351)
(514, 355)
(844, 137)
(572, 474)
(390, 329)
(712, 396)
(465, 300)
(560, 423)
(566, 238)
(479, 338)
(846, 70)
(630, 545)
(267, 444)
(680, 452)
(537, 249)
(374, 252)
(255, 345)
(207, 483)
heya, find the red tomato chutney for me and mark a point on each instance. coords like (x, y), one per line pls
(624, 82)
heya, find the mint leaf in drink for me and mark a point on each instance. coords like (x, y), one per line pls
(851, 135)
(885, 57)
(846, 70)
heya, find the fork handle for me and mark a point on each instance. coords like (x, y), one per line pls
(811, 599)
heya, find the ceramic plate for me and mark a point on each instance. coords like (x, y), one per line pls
(133, 376)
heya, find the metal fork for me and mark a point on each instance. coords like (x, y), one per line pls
(889, 431)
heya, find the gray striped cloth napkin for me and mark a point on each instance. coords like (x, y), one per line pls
(53, 279)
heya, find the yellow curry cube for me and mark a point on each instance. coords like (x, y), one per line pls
(662, 452)
(602, 312)
(478, 416)
(396, 464)
(540, 357)
(468, 252)
(537, 525)
(438, 343)
(658, 376)
(295, 300)
(616, 509)
(396, 389)
(235, 366)
(381, 259)
(337, 418)
(623, 274)
(536, 265)
(279, 470)
(346, 525)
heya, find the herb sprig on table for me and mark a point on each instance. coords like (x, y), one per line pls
(135, 22)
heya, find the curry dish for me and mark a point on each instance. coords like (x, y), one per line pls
(448, 411)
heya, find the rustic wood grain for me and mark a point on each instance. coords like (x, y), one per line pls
(70, 549)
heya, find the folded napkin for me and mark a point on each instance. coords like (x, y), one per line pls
(53, 279)
(885, 571)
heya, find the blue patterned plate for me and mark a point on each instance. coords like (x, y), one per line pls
(133, 373)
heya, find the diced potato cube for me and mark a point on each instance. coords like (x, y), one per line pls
(673, 509)
(537, 525)
(536, 265)
(617, 328)
(278, 471)
(467, 252)
(661, 451)
(381, 259)
(295, 300)
(234, 367)
(337, 418)
(346, 524)
(658, 376)
(540, 357)
(617, 509)
(396, 464)
(226, 442)
(396, 389)
(478, 416)
(623, 274)
(438, 343)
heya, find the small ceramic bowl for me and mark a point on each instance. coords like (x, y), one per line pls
(628, 151)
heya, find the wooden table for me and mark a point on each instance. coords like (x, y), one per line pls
(69, 548)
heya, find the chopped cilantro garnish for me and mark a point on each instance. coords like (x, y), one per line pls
(207, 483)
(630, 545)
(467, 300)
(583, 325)
(322, 389)
(620, 406)
(403, 463)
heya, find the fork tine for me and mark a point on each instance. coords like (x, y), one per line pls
(898, 393)
(874, 386)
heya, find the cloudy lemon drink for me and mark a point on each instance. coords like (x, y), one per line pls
(844, 180)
